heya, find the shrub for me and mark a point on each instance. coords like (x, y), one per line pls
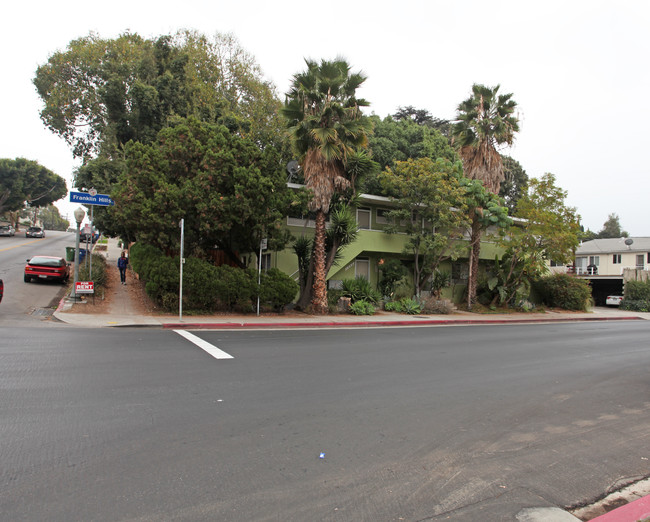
(564, 291)
(403, 290)
(633, 305)
(235, 288)
(99, 270)
(439, 280)
(393, 306)
(637, 290)
(360, 289)
(362, 307)
(277, 289)
(410, 306)
(391, 273)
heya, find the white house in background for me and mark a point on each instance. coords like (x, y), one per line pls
(609, 257)
(603, 262)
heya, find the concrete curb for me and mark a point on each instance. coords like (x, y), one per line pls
(358, 324)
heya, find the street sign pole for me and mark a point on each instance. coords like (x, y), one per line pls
(180, 292)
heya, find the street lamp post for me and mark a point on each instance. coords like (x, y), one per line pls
(79, 215)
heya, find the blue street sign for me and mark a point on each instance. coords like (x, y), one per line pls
(87, 199)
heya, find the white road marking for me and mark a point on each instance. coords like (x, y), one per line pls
(211, 349)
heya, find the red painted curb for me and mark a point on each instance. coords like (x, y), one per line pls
(632, 512)
(426, 322)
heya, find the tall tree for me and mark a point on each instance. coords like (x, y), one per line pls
(514, 184)
(431, 209)
(325, 126)
(422, 117)
(229, 191)
(98, 94)
(548, 229)
(611, 228)
(484, 122)
(24, 181)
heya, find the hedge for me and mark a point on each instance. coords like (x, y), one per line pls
(207, 288)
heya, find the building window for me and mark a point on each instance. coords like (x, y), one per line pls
(555, 263)
(363, 218)
(362, 268)
(383, 220)
(639, 261)
(460, 271)
(648, 257)
(616, 259)
(594, 260)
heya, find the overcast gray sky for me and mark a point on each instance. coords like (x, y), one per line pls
(578, 69)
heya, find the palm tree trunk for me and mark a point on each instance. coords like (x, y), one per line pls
(319, 297)
(475, 243)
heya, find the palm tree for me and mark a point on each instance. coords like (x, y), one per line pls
(325, 126)
(484, 122)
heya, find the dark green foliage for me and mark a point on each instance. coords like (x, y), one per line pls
(25, 181)
(362, 308)
(635, 306)
(360, 289)
(206, 287)
(277, 289)
(637, 290)
(235, 288)
(439, 281)
(99, 276)
(391, 272)
(637, 296)
(564, 291)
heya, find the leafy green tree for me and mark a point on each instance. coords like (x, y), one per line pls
(24, 181)
(431, 208)
(611, 228)
(325, 125)
(230, 193)
(484, 122)
(52, 219)
(514, 184)
(99, 94)
(423, 117)
(396, 140)
(547, 229)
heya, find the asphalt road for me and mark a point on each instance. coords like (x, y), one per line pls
(460, 423)
(29, 303)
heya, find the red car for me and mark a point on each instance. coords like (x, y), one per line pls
(2, 289)
(47, 267)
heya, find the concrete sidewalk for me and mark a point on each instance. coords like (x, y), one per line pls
(123, 313)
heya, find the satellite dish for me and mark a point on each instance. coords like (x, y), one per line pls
(293, 167)
(629, 241)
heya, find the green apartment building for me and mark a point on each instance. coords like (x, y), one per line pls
(365, 256)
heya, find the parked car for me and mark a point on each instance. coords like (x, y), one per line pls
(7, 230)
(35, 232)
(613, 300)
(47, 268)
(2, 289)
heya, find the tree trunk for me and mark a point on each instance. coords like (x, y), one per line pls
(319, 298)
(475, 243)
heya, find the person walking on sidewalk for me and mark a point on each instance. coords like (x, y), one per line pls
(122, 262)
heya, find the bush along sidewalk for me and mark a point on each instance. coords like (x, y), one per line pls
(208, 288)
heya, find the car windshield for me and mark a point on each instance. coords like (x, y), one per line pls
(34, 229)
(46, 261)
(4, 227)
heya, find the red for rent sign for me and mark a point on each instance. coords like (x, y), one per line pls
(85, 287)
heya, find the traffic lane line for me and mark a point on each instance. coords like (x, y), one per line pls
(204, 345)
